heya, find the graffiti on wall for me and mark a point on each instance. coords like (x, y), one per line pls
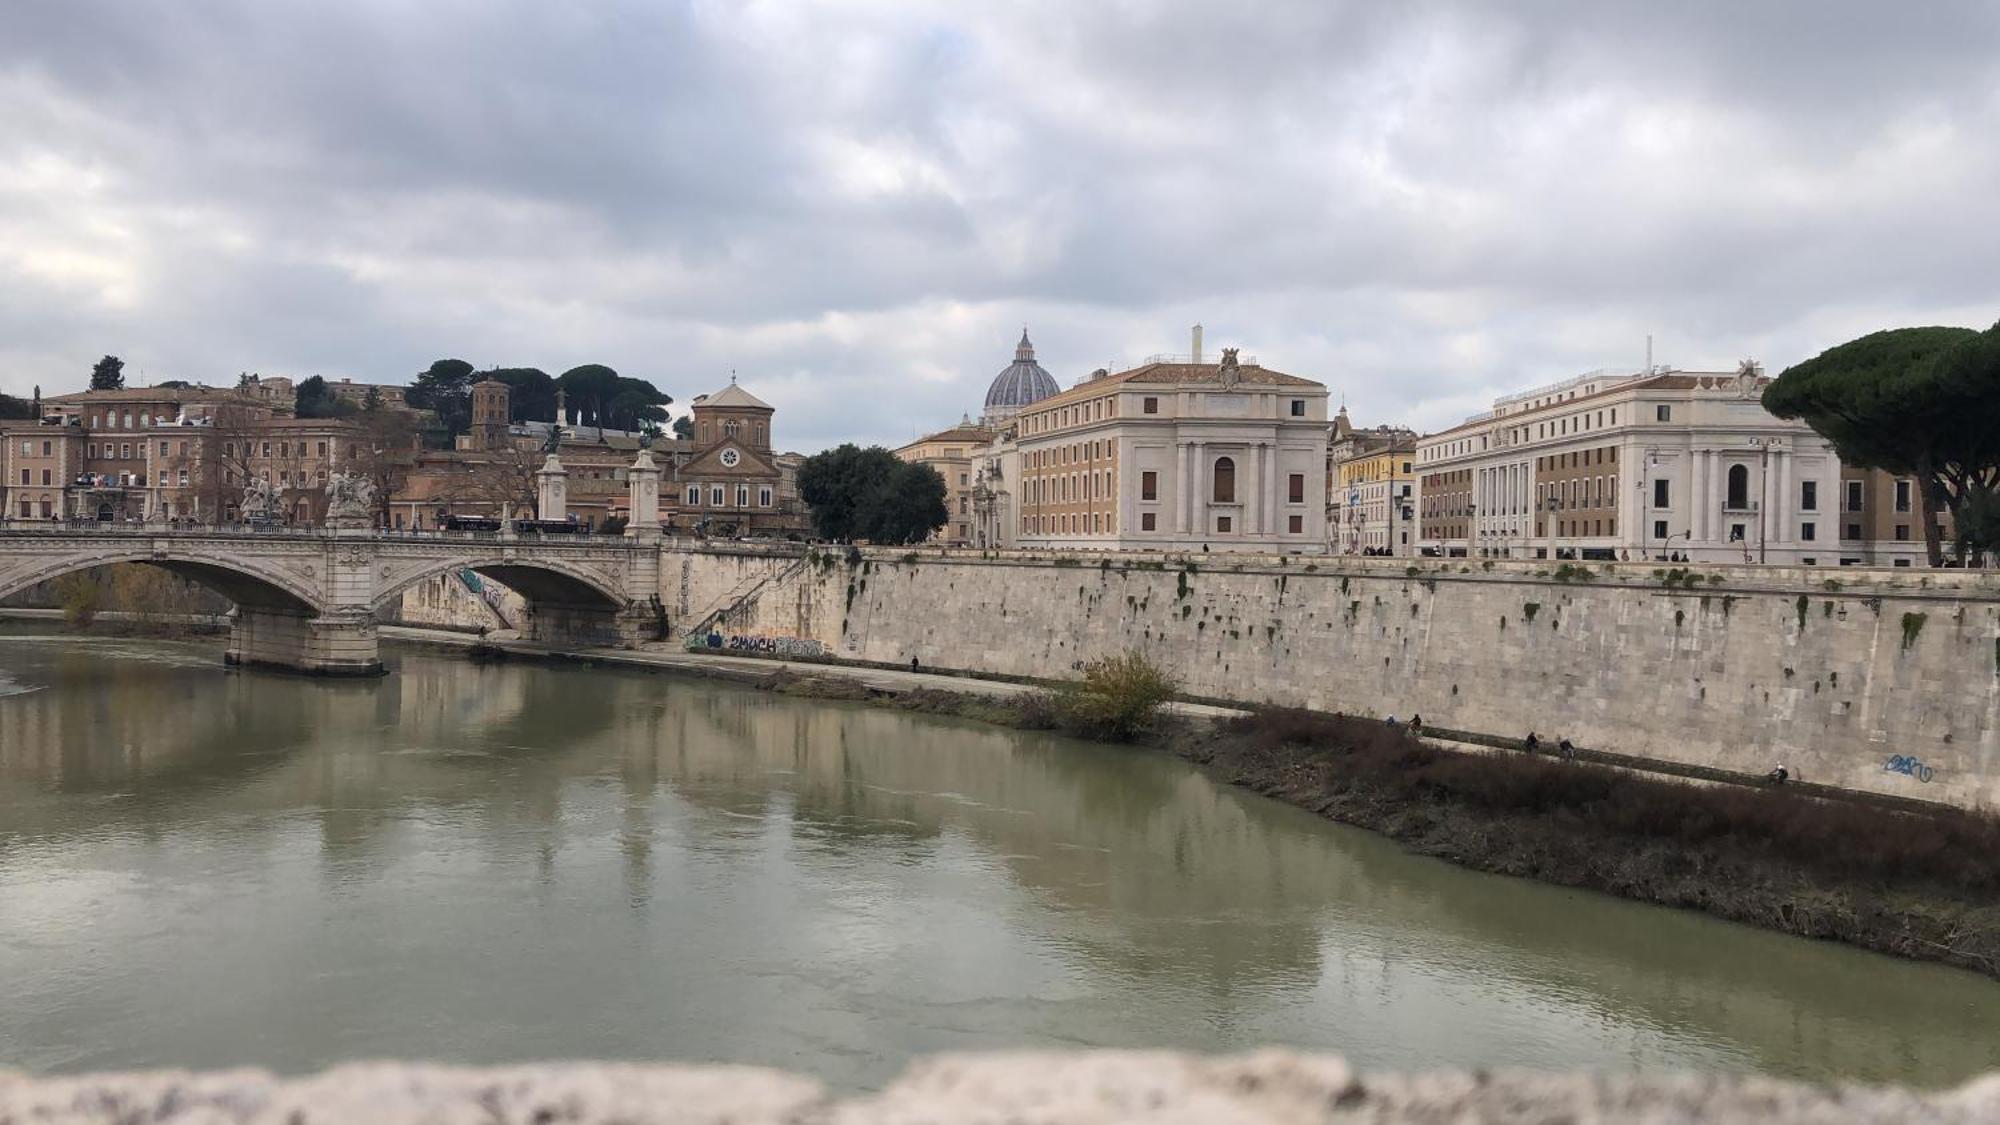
(1908, 765)
(766, 646)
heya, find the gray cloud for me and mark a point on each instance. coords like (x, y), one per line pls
(856, 206)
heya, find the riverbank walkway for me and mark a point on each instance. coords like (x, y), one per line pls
(756, 670)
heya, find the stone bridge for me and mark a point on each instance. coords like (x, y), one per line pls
(307, 599)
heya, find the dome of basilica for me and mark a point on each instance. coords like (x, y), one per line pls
(1023, 382)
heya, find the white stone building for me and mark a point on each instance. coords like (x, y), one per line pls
(1665, 465)
(1174, 455)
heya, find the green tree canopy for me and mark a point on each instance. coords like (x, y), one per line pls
(684, 427)
(636, 405)
(11, 407)
(314, 399)
(531, 393)
(444, 390)
(857, 493)
(108, 374)
(1918, 402)
(596, 395)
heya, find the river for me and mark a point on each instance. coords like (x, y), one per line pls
(503, 862)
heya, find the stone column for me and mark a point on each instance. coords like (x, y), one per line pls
(1274, 494)
(1198, 490)
(1783, 503)
(1250, 491)
(1693, 494)
(552, 490)
(1182, 483)
(642, 493)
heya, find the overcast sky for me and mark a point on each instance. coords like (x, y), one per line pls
(856, 206)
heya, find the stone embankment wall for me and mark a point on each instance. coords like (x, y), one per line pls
(446, 601)
(1084, 1088)
(1885, 681)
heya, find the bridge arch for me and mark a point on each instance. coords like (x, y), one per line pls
(247, 582)
(541, 581)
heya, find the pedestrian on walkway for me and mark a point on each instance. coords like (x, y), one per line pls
(1567, 751)
(1531, 743)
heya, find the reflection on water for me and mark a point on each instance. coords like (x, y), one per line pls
(491, 863)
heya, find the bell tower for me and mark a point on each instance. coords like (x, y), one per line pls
(491, 404)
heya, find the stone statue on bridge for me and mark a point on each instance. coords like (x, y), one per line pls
(350, 500)
(263, 501)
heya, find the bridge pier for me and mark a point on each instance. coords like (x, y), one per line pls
(588, 626)
(339, 644)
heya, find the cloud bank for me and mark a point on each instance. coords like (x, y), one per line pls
(856, 206)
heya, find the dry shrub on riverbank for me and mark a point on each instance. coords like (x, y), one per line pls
(1368, 759)
(1118, 700)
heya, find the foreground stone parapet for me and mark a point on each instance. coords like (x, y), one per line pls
(1267, 1088)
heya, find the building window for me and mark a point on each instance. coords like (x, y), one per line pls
(26, 478)
(1297, 525)
(1739, 488)
(1149, 485)
(267, 449)
(1222, 524)
(715, 496)
(1148, 522)
(1298, 408)
(1225, 481)
(694, 495)
(1660, 529)
(1902, 496)
(1736, 533)
(125, 450)
(1151, 405)
(1663, 413)
(1902, 533)
(164, 449)
(45, 477)
(764, 498)
(1854, 531)
(1660, 494)
(322, 449)
(1808, 532)
(742, 495)
(1854, 496)
(1297, 487)
(1809, 496)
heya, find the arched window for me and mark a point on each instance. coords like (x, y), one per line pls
(1739, 487)
(729, 428)
(1225, 480)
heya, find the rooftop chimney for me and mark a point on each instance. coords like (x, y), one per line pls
(1196, 356)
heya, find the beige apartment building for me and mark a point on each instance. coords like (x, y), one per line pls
(952, 453)
(1660, 464)
(165, 453)
(1370, 490)
(1175, 454)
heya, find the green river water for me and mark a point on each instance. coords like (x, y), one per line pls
(491, 863)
